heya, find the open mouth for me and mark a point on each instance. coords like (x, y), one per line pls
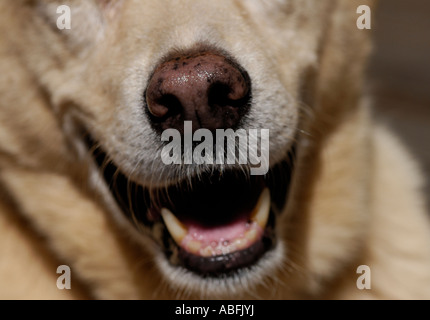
(214, 224)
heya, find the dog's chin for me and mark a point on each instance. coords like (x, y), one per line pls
(215, 231)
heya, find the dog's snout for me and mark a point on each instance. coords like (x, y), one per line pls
(206, 88)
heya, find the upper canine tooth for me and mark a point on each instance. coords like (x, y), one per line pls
(176, 229)
(261, 211)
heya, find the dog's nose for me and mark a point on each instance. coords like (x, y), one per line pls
(206, 88)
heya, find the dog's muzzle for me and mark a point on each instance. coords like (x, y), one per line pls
(216, 222)
(211, 224)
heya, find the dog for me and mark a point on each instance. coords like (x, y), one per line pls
(339, 213)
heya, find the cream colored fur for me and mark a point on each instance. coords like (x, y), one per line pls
(355, 198)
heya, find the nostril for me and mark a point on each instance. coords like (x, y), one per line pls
(165, 106)
(157, 110)
(224, 95)
(206, 88)
(218, 95)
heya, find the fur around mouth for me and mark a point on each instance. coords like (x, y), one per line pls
(213, 225)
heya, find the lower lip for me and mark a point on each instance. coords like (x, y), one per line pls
(224, 264)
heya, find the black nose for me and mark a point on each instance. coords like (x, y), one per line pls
(205, 88)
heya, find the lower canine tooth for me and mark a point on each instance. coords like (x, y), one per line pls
(207, 252)
(194, 246)
(176, 229)
(239, 244)
(251, 235)
(261, 211)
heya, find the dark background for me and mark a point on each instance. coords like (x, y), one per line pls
(399, 74)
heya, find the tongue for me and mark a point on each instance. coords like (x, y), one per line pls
(222, 239)
(219, 233)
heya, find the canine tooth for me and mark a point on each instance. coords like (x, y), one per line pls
(261, 211)
(239, 244)
(194, 246)
(207, 252)
(251, 235)
(176, 229)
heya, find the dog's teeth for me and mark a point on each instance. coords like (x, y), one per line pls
(207, 252)
(260, 214)
(176, 229)
(251, 235)
(239, 244)
(194, 246)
